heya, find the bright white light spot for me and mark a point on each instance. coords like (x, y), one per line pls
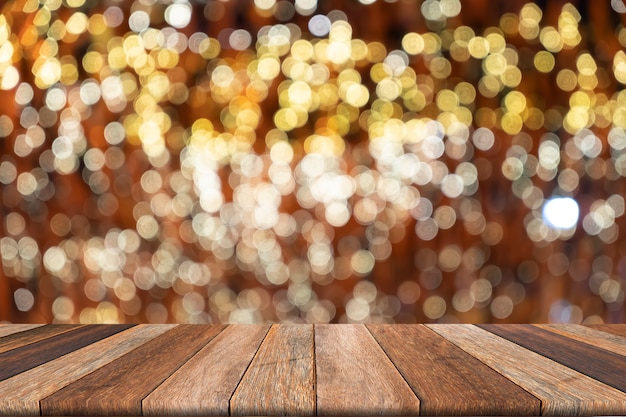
(113, 16)
(483, 138)
(337, 214)
(561, 212)
(450, 8)
(90, 92)
(319, 25)
(452, 185)
(24, 299)
(9, 79)
(56, 99)
(178, 15)
(54, 259)
(139, 21)
(265, 4)
(240, 39)
(396, 62)
(306, 7)
(618, 6)
(431, 10)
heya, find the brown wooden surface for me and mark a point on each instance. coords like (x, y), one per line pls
(7, 329)
(19, 396)
(597, 338)
(618, 329)
(281, 377)
(562, 391)
(33, 335)
(119, 387)
(205, 383)
(355, 376)
(307, 370)
(600, 364)
(29, 356)
(435, 368)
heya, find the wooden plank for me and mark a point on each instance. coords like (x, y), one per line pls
(34, 335)
(119, 387)
(605, 366)
(448, 380)
(618, 329)
(8, 329)
(205, 383)
(27, 357)
(19, 396)
(562, 391)
(597, 338)
(281, 378)
(355, 376)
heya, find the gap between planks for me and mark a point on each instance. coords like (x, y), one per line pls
(205, 383)
(247, 368)
(279, 380)
(562, 390)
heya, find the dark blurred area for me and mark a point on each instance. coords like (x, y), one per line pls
(312, 161)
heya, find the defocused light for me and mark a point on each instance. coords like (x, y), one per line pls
(24, 299)
(139, 21)
(306, 7)
(319, 25)
(618, 6)
(240, 39)
(561, 212)
(178, 15)
(168, 148)
(113, 16)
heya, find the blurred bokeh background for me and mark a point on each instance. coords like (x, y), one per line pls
(237, 161)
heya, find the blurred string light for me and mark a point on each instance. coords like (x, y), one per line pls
(561, 212)
(178, 14)
(212, 162)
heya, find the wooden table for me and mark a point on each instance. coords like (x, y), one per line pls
(312, 369)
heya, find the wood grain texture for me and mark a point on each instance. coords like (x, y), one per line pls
(34, 335)
(7, 329)
(605, 366)
(19, 396)
(119, 387)
(29, 356)
(205, 383)
(562, 391)
(435, 368)
(597, 338)
(618, 329)
(305, 369)
(281, 378)
(355, 376)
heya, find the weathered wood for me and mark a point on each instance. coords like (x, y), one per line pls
(24, 358)
(34, 335)
(435, 368)
(355, 376)
(605, 366)
(19, 396)
(304, 370)
(205, 383)
(562, 391)
(618, 329)
(7, 329)
(281, 378)
(597, 338)
(119, 387)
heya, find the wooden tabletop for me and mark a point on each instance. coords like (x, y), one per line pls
(312, 369)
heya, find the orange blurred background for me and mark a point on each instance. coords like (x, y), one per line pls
(312, 161)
